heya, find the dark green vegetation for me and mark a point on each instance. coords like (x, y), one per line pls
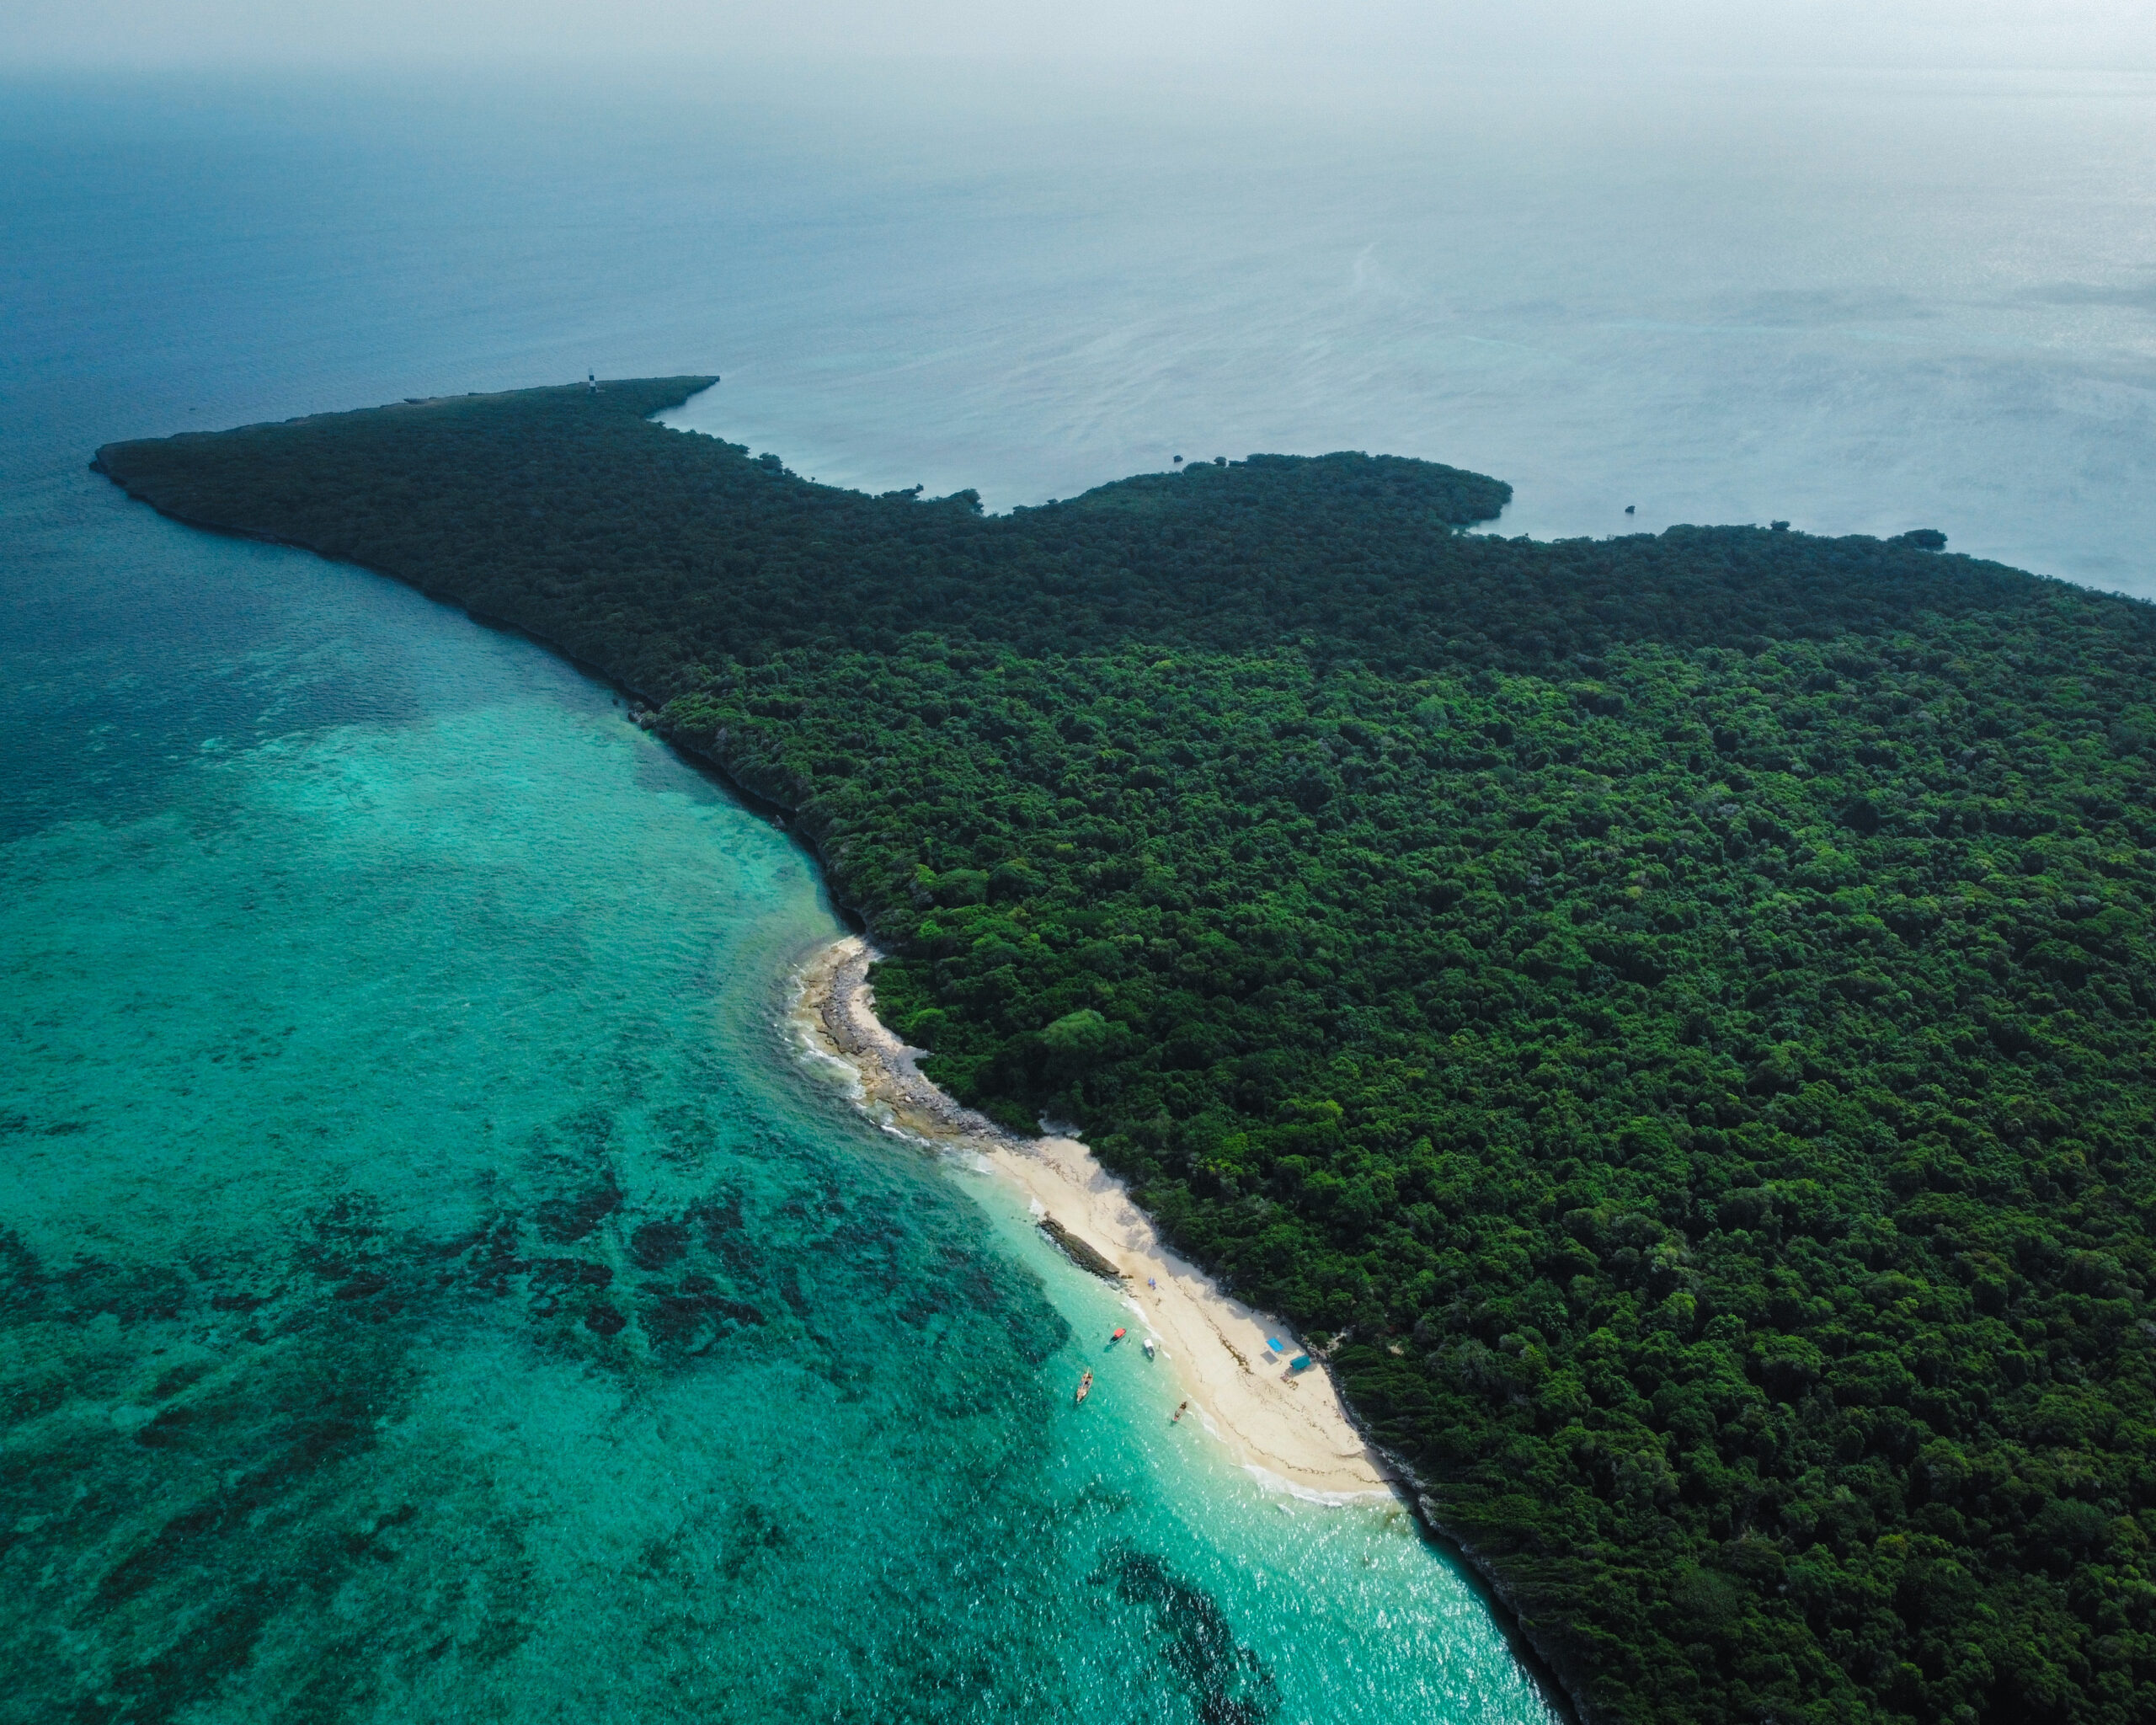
(1680, 1005)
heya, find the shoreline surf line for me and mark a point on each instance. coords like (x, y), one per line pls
(1289, 1432)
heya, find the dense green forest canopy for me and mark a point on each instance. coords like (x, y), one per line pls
(1676, 1007)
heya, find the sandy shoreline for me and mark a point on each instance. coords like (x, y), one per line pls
(1291, 1429)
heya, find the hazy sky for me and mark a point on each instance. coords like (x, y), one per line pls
(1269, 37)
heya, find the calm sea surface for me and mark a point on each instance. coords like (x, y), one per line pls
(379, 1011)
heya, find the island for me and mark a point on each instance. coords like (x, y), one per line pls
(1668, 1015)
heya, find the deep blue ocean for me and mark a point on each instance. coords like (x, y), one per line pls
(369, 985)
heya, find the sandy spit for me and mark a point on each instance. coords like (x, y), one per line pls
(1289, 1430)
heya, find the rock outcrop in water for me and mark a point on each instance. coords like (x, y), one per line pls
(1078, 1251)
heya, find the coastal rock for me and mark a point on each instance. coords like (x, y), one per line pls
(1079, 1252)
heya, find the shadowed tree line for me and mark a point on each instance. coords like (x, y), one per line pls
(1677, 1008)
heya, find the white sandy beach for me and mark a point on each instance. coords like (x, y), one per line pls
(1290, 1429)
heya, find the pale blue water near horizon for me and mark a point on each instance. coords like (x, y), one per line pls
(1858, 301)
(381, 1007)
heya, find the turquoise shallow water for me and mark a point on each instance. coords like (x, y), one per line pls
(436, 1285)
(430, 1285)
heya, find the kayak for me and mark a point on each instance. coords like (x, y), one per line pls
(1086, 1385)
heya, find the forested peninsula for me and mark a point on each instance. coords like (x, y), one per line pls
(1677, 1008)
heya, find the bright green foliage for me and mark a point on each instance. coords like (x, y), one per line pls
(1678, 1006)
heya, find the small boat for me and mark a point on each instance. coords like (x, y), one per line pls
(1085, 1386)
(1117, 1336)
(1147, 1344)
